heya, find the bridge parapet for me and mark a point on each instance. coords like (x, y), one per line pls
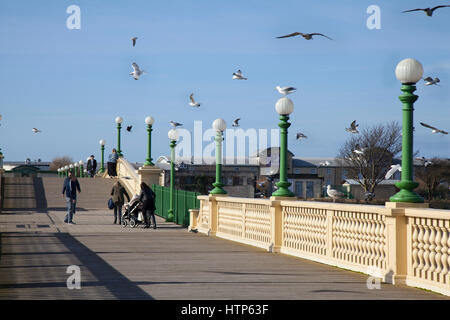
(398, 242)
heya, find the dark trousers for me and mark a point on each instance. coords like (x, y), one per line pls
(149, 211)
(112, 166)
(118, 212)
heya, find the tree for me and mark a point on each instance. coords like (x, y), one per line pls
(59, 162)
(368, 155)
(432, 174)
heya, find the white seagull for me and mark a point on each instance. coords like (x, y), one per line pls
(136, 71)
(175, 124)
(285, 90)
(193, 103)
(332, 193)
(324, 163)
(359, 150)
(238, 75)
(301, 136)
(134, 40)
(394, 169)
(433, 129)
(430, 81)
(353, 127)
(36, 130)
(236, 122)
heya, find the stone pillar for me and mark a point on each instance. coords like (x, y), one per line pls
(150, 175)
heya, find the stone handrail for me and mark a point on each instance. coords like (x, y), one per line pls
(128, 176)
(395, 242)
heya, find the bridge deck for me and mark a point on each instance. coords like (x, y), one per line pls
(167, 263)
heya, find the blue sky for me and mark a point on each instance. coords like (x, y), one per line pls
(71, 84)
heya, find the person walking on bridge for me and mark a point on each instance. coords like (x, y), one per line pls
(147, 197)
(91, 166)
(69, 191)
(118, 192)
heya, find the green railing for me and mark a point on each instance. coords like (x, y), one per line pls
(183, 201)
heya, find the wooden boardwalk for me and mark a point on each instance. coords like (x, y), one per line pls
(167, 263)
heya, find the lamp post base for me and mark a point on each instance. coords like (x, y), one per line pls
(283, 190)
(406, 196)
(170, 216)
(218, 188)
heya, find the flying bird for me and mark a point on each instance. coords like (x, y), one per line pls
(428, 11)
(307, 36)
(430, 81)
(136, 71)
(433, 129)
(332, 193)
(301, 136)
(324, 163)
(394, 169)
(359, 150)
(193, 103)
(175, 124)
(134, 40)
(353, 127)
(236, 122)
(129, 128)
(238, 75)
(426, 162)
(285, 90)
(36, 130)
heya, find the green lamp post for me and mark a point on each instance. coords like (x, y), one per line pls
(284, 108)
(408, 72)
(81, 163)
(77, 169)
(119, 121)
(173, 136)
(149, 122)
(102, 165)
(71, 168)
(66, 171)
(219, 125)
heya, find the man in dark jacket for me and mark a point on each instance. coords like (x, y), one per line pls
(147, 197)
(69, 192)
(91, 166)
(118, 192)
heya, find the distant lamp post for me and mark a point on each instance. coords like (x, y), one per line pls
(119, 121)
(219, 125)
(71, 167)
(66, 171)
(77, 169)
(284, 108)
(59, 172)
(81, 163)
(173, 136)
(408, 72)
(1, 160)
(102, 147)
(149, 121)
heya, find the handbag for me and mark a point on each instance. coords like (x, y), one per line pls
(110, 204)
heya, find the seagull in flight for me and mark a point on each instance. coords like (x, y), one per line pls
(332, 193)
(36, 130)
(394, 169)
(359, 150)
(136, 71)
(193, 103)
(301, 136)
(238, 75)
(426, 162)
(307, 36)
(236, 122)
(352, 128)
(324, 163)
(433, 129)
(428, 11)
(430, 81)
(134, 40)
(129, 128)
(175, 124)
(285, 90)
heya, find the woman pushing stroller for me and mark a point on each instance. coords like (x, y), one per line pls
(147, 198)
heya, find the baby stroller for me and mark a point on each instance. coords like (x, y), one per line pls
(132, 214)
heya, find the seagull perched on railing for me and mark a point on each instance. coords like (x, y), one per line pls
(193, 103)
(36, 130)
(332, 193)
(428, 11)
(433, 129)
(430, 81)
(285, 90)
(175, 124)
(353, 127)
(394, 169)
(136, 71)
(238, 75)
(236, 122)
(306, 36)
